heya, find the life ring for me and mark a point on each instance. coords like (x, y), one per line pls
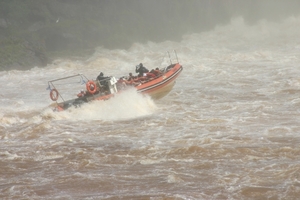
(91, 87)
(54, 94)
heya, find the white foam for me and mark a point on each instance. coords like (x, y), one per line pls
(10, 121)
(126, 105)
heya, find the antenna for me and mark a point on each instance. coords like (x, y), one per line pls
(169, 57)
(176, 55)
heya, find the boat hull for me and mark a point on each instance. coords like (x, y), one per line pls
(162, 85)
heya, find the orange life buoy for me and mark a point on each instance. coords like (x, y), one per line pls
(54, 94)
(91, 87)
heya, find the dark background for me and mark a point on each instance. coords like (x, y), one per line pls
(34, 32)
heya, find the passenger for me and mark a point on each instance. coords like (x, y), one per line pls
(130, 77)
(82, 97)
(141, 70)
(130, 80)
(150, 75)
(121, 83)
(156, 71)
(142, 79)
(81, 93)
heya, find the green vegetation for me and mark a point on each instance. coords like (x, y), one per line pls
(33, 32)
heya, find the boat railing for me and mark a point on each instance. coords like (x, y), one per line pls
(67, 77)
(53, 84)
(171, 61)
(175, 56)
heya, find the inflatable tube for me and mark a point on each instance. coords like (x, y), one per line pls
(54, 94)
(91, 87)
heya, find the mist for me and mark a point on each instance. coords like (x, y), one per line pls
(141, 20)
(36, 32)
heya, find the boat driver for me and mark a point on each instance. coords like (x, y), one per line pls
(103, 80)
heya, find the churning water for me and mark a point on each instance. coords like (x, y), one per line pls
(228, 130)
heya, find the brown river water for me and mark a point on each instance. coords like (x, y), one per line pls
(229, 129)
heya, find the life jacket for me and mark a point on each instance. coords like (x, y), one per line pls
(150, 75)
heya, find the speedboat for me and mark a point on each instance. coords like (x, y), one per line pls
(156, 84)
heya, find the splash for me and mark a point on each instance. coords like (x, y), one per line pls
(126, 105)
(10, 121)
